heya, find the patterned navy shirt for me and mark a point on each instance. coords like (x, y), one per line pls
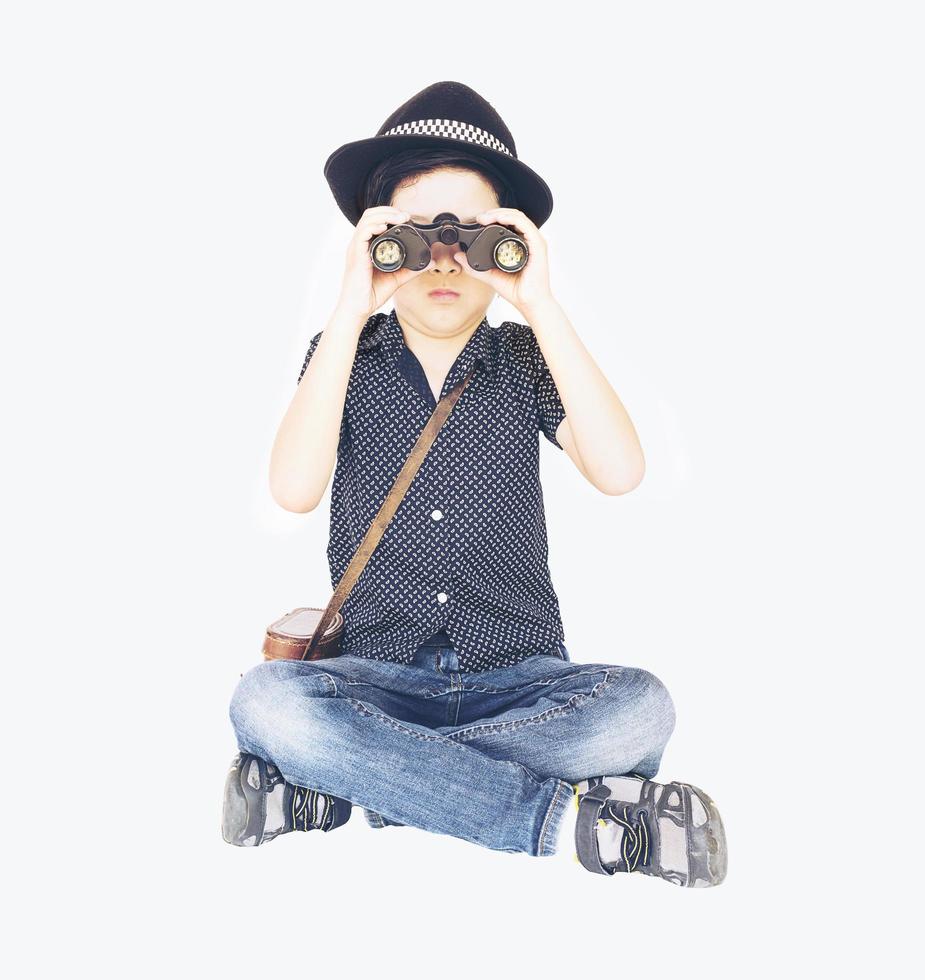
(465, 555)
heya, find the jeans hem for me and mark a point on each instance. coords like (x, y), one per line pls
(552, 822)
(373, 819)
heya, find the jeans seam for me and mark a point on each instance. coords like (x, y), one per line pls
(541, 849)
(535, 683)
(545, 715)
(429, 693)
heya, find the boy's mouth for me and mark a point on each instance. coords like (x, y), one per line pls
(443, 295)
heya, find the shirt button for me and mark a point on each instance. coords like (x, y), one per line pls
(442, 597)
(436, 514)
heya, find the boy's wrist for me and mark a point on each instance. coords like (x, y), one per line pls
(544, 307)
(345, 320)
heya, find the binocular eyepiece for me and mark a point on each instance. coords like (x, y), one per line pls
(408, 245)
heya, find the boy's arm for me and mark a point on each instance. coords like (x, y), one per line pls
(597, 432)
(305, 448)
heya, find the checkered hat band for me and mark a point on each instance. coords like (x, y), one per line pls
(453, 129)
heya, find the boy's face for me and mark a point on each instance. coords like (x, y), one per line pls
(464, 194)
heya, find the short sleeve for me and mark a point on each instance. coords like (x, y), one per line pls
(549, 408)
(311, 350)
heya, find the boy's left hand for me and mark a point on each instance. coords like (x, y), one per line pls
(529, 287)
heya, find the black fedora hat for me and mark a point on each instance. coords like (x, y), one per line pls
(441, 113)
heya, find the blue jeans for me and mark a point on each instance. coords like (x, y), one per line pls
(488, 757)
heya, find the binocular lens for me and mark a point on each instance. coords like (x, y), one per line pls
(389, 254)
(510, 255)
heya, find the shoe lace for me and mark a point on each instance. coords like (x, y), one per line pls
(305, 809)
(636, 834)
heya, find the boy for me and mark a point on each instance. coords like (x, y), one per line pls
(454, 706)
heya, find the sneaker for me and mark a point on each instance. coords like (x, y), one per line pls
(671, 831)
(260, 805)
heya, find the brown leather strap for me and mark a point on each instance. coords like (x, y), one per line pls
(387, 510)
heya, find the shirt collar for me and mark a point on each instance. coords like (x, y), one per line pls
(480, 345)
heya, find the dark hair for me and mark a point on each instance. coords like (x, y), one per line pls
(387, 176)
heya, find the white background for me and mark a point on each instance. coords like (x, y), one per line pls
(737, 237)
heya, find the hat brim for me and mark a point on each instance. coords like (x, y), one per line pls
(347, 167)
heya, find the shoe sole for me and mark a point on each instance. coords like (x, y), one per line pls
(716, 843)
(244, 812)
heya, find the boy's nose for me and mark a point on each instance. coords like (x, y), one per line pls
(442, 257)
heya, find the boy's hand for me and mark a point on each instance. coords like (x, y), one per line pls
(529, 287)
(364, 288)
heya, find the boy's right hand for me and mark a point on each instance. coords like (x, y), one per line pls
(365, 288)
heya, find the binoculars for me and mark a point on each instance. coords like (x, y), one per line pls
(407, 246)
